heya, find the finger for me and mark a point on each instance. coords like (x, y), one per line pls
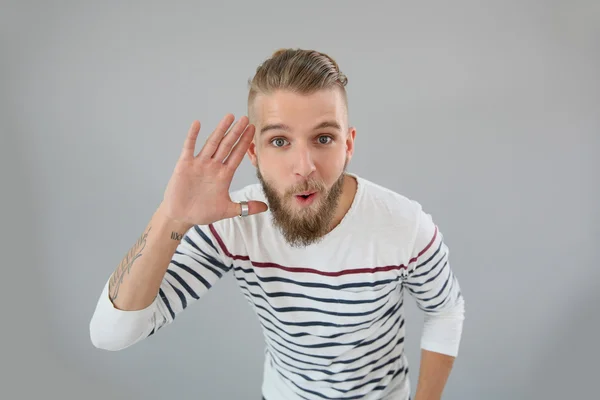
(240, 149)
(254, 207)
(212, 142)
(189, 145)
(230, 138)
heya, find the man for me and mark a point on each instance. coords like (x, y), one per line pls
(324, 256)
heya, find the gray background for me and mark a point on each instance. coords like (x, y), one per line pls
(488, 113)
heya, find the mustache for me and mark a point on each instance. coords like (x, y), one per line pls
(308, 186)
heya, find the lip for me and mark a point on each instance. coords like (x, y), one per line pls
(305, 201)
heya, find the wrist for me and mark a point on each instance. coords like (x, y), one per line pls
(171, 223)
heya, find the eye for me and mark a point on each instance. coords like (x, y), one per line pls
(278, 142)
(324, 139)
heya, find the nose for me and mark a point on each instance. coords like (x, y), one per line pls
(303, 162)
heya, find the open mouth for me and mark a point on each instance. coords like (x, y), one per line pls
(305, 198)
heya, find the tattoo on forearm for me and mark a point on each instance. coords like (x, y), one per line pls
(125, 266)
(176, 236)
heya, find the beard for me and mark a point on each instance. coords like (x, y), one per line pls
(307, 226)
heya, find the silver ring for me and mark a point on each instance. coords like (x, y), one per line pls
(245, 208)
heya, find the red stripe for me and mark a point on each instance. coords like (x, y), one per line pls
(426, 247)
(223, 247)
(312, 270)
(324, 273)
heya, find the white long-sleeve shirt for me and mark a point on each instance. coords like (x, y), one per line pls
(332, 313)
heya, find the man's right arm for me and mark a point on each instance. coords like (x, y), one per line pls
(136, 281)
(171, 265)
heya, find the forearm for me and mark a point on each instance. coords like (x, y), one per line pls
(136, 281)
(440, 342)
(433, 374)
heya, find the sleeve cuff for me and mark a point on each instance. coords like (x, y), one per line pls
(115, 329)
(442, 332)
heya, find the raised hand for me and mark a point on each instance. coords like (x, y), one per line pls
(198, 191)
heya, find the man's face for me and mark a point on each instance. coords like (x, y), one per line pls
(300, 150)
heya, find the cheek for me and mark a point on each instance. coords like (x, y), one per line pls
(331, 166)
(274, 175)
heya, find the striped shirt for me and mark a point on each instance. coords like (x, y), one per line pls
(332, 313)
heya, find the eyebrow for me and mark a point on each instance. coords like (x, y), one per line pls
(284, 127)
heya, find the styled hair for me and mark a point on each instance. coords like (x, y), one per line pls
(297, 70)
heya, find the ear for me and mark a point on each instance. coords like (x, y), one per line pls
(252, 152)
(350, 142)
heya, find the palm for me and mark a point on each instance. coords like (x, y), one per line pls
(198, 192)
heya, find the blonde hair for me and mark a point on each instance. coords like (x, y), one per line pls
(297, 70)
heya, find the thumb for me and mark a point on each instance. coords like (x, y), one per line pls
(254, 207)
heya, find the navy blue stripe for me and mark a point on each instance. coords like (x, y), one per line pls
(191, 242)
(216, 262)
(318, 310)
(441, 243)
(369, 342)
(386, 364)
(315, 355)
(350, 361)
(432, 268)
(374, 380)
(388, 314)
(184, 284)
(301, 334)
(166, 300)
(355, 345)
(401, 370)
(358, 378)
(427, 281)
(180, 294)
(441, 290)
(212, 260)
(316, 284)
(317, 299)
(393, 326)
(428, 291)
(372, 351)
(206, 238)
(207, 266)
(349, 370)
(325, 397)
(312, 323)
(433, 307)
(192, 272)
